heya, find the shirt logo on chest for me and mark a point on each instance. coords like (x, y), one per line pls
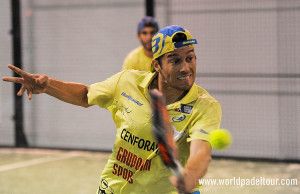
(178, 118)
(130, 98)
(184, 108)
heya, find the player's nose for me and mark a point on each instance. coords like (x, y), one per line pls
(185, 67)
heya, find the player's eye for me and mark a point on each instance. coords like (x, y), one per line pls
(175, 61)
(146, 32)
(190, 58)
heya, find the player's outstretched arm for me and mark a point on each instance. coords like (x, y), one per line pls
(197, 164)
(74, 93)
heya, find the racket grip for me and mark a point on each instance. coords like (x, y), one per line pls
(180, 185)
(178, 172)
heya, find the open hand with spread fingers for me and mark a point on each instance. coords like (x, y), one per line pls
(32, 83)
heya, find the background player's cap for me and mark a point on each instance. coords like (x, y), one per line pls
(164, 42)
(147, 21)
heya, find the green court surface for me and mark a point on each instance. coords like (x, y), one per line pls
(37, 171)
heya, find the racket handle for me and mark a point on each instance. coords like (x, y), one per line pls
(180, 185)
(178, 172)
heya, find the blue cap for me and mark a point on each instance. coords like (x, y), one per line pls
(147, 21)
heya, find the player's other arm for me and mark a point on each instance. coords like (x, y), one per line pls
(198, 162)
(70, 92)
(73, 93)
(200, 147)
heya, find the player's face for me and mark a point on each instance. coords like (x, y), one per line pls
(145, 37)
(178, 68)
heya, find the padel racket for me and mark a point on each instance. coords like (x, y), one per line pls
(163, 132)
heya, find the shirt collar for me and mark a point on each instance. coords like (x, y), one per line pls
(191, 96)
(144, 82)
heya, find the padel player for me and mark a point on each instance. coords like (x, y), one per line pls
(141, 57)
(133, 167)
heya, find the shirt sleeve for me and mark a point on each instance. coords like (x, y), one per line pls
(103, 93)
(206, 122)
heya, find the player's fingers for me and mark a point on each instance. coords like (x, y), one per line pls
(29, 93)
(19, 71)
(21, 91)
(173, 180)
(13, 79)
(181, 186)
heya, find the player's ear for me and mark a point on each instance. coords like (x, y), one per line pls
(156, 65)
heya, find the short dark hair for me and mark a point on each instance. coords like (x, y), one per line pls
(147, 21)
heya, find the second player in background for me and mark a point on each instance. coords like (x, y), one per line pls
(141, 57)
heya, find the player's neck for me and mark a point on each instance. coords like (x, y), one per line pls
(171, 94)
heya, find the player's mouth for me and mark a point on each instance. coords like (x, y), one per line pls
(184, 77)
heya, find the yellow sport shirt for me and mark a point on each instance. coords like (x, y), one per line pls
(137, 60)
(134, 167)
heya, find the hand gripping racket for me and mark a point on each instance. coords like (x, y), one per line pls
(163, 132)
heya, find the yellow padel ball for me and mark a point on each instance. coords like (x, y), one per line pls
(220, 139)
